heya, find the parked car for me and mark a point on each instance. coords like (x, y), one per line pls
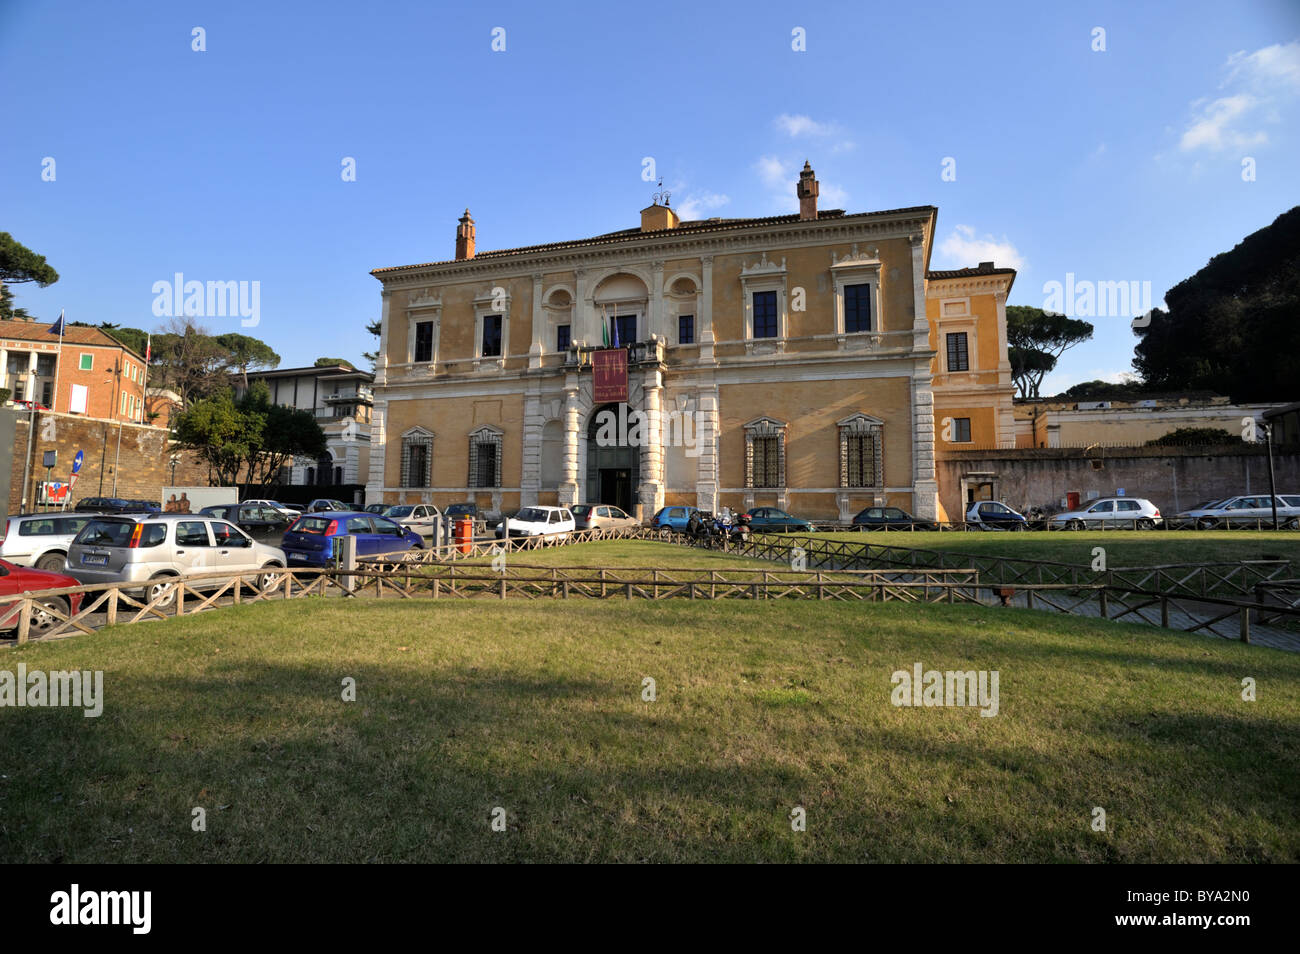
(539, 522)
(31, 405)
(601, 517)
(422, 518)
(285, 509)
(16, 580)
(156, 550)
(108, 505)
(263, 524)
(41, 540)
(890, 518)
(375, 508)
(776, 520)
(325, 505)
(672, 518)
(991, 515)
(1127, 513)
(1244, 511)
(459, 510)
(310, 540)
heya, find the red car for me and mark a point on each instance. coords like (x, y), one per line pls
(16, 580)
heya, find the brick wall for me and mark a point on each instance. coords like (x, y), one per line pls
(141, 467)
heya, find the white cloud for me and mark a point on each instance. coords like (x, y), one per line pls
(963, 248)
(795, 126)
(831, 196)
(1256, 85)
(774, 172)
(697, 204)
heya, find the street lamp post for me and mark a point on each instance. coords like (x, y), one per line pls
(1272, 486)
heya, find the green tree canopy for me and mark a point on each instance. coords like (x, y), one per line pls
(332, 363)
(246, 353)
(248, 437)
(1209, 436)
(19, 264)
(1036, 339)
(1232, 327)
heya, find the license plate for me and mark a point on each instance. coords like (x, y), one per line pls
(297, 556)
(94, 559)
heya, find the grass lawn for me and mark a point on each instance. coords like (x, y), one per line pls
(537, 707)
(1123, 547)
(615, 554)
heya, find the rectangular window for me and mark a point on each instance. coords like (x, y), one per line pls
(686, 329)
(487, 464)
(626, 330)
(416, 469)
(961, 430)
(861, 462)
(491, 336)
(562, 337)
(44, 365)
(87, 362)
(767, 462)
(122, 409)
(765, 314)
(857, 308)
(423, 341)
(47, 394)
(958, 358)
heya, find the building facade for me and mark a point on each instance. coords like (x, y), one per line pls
(97, 376)
(803, 361)
(341, 398)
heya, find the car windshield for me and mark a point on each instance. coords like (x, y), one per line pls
(581, 510)
(398, 512)
(531, 515)
(105, 533)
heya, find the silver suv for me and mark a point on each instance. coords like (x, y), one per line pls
(156, 550)
(41, 539)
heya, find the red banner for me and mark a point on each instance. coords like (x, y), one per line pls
(609, 376)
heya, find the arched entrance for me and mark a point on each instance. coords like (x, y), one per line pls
(613, 464)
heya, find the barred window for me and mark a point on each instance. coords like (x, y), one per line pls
(686, 329)
(860, 452)
(765, 453)
(861, 463)
(485, 458)
(958, 357)
(767, 460)
(417, 459)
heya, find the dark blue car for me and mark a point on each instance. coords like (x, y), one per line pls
(310, 539)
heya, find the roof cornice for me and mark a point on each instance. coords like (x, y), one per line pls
(670, 243)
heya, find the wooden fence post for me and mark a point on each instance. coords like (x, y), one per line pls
(1245, 624)
(24, 622)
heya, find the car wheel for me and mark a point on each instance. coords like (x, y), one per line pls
(1018, 526)
(270, 579)
(1075, 525)
(1146, 523)
(157, 586)
(51, 563)
(1207, 523)
(1292, 524)
(43, 618)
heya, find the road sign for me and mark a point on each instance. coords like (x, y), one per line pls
(76, 461)
(50, 458)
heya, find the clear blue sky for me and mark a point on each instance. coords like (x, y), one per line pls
(225, 165)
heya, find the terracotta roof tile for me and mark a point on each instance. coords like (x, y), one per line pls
(72, 334)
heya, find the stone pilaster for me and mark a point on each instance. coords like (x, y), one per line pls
(530, 483)
(651, 491)
(706, 313)
(568, 494)
(539, 326)
(706, 473)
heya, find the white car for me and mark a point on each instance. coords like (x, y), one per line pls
(1123, 513)
(538, 522)
(41, 540)
(422, 518)
(276, 506)
(1250, 510)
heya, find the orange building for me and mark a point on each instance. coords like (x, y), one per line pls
(96, 375)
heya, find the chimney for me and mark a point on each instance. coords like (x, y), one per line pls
(807, 190)
(465, 237)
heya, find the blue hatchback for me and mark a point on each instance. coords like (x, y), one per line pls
(672, 518)
(309, 541)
